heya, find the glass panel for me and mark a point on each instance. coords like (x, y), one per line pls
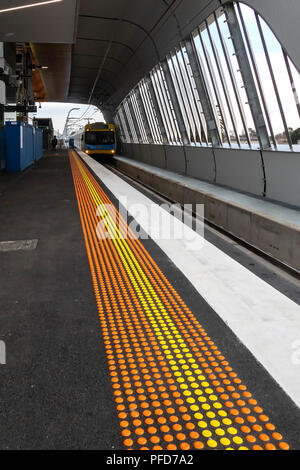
(166, 106)
(131, 124)
(276, 79)
(124, 125)
(282, 108)
(149, 114)
(179, 88)
(137, 120)
(140, 119)
(99, 138)
(196, 108)
(208, 80)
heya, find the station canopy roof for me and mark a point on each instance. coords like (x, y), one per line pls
(97, 50)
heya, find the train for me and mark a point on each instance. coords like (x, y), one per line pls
(97, 138)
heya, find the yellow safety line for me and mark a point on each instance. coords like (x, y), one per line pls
(209, 408)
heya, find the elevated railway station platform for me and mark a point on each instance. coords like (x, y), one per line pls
(150, 227)
(124, 335)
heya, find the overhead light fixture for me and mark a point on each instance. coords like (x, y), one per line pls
(30, 5)
(34, 67)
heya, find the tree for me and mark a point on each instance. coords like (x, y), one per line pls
(295, 135)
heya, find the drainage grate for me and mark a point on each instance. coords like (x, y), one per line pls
(17, 245)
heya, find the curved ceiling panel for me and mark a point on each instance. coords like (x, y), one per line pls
(121, 40)
(117, 42)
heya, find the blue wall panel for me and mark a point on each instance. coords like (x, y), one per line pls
(23, 145)
(38, 144)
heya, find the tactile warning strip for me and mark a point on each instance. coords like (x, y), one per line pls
(172, 386)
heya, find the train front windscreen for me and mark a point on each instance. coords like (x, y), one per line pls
(100, 138)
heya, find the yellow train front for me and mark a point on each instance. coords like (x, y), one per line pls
(99, 139)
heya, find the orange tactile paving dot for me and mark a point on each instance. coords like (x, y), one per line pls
(173, 388)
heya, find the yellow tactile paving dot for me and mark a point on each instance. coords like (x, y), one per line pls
(173, 388)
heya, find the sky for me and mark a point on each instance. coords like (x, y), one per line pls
(59, 111)
(279, 69)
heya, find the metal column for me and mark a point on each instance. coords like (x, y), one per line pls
(119, 127)
(122, 107)
(144, 115)
(203, 94)
(134, 119)
(175, 102)
(248, 79)
(155, 105)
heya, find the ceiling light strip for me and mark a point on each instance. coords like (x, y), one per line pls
(30, 5)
